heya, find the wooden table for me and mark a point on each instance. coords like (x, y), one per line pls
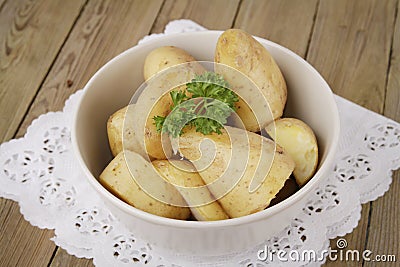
(50, 48)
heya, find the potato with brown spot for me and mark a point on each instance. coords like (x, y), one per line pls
(260, 163)
(119, 128)
(122, 131)
(242, 52)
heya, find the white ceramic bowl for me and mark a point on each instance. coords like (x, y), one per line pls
(111, 88)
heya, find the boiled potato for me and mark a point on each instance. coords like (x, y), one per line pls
(116, 131)
(200, 200)
(117, 178)
(230, 160)
(156, 147)
(155, 99)
(152, 139)
(298, 139)
(164, 57)
(242, 52)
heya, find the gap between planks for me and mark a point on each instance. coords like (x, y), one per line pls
(49, 69)
(57, 248)
(42, 82)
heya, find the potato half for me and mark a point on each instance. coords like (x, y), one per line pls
(154, 145)
(298, 139)
(183, 173)
(117, 178)
(228, 161)
(242, 52)
(116, 131)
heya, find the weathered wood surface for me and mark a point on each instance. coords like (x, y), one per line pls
(384, 233)
(355, 44)
(98, 35)
(288, 22)
(216, 16)
(350, 47)
(26, 54)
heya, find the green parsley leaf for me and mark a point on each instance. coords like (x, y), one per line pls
(207, 109)
(177, 97)
(158, 122)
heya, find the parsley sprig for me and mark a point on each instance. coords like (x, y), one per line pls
(206, 105)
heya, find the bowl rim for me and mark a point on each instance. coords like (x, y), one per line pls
(155, 219)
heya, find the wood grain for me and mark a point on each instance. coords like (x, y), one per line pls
(105, 29)
(350, 47)
(2, 2)
(22, 244)
(99, 34)
(392, 101)
(384, 234)
(215, 15)
(26, 52)
(286, 22)
(25, 56)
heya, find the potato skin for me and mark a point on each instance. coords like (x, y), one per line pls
(239, 201)
(299, 140)
(121, 125)
(116, 131)
(191, 179)
(117, 178)
(164, 57)
(150, 141)
(242, 52)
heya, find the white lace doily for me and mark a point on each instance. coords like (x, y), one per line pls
(39, 171)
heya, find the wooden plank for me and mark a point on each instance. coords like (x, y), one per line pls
(104, 29)
(350, 47)
(25, 56)
(392, 107)
(99, 35)
(384, 233)
(20, 243)
(286, 22)
(2, 2)
(27, 52)
(216, 16)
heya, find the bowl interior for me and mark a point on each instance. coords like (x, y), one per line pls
(111, 88)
